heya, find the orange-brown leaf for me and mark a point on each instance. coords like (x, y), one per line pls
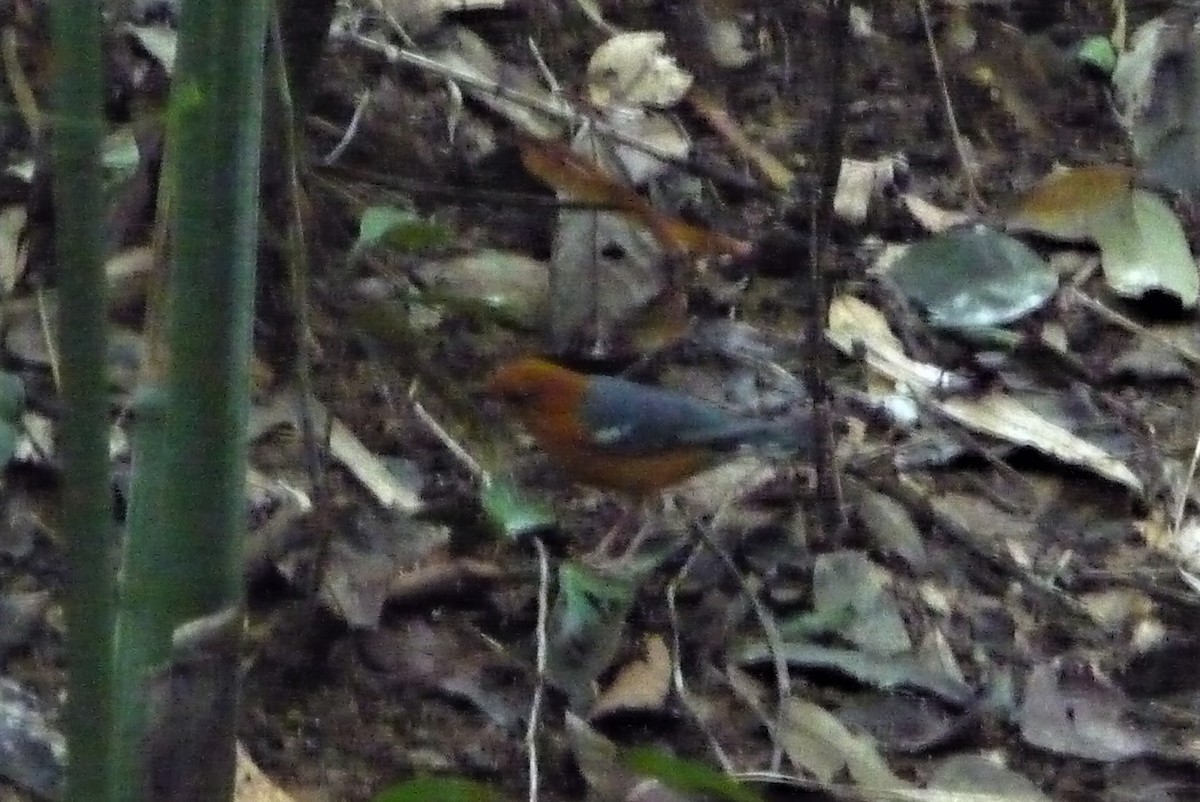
(573, 174)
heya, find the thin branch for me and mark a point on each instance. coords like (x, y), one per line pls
(960, 144)
(539, 688)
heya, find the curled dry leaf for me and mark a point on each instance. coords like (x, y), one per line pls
(631, 69)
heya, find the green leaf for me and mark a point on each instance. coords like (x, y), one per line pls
(12, 397)
(1097, 53)
(511, 513)
(441, 789)
(973, 276)
(586, 626)
(688, 776)
(401, 229)
(1148, 250)
(8, 442)
(590, 595)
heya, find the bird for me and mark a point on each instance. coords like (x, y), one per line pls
(622, 436)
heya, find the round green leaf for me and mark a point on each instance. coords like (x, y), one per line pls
(1097, 53)
(974, 276)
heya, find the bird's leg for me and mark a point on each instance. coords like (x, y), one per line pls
(639, 537)
(618, 526)
(653, 516)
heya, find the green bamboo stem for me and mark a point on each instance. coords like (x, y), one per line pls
(187, 512)
(89, 533)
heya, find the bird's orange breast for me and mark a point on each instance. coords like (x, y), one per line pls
(566, 441)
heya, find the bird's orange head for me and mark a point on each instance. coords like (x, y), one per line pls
(535, 387)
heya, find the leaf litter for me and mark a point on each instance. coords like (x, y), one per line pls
(1001, 621)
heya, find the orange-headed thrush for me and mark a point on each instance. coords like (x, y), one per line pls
(632, 438)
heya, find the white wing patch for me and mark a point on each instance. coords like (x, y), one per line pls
(612, 435)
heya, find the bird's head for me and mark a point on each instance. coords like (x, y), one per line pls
(532, 386)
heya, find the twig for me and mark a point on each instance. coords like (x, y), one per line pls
(544, 69)
(783, 683)
(48, 337)
(960, 144)
(351, 131)
(1117, 319)
(400, 30)
(680, 685)
(539, 688)
(556, 109)
(818, 363)
(296, 263)
(18, 83)
(1186, 482)
(439, 431)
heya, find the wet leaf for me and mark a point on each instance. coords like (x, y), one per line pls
(725, 34)
(118, 155)
(159, 41)
(12, 397)
(32, 752)
(599, 762)
(467, 52)
(848, 581)
(1075, 204)
(721, 121)
(21, 612)
(253, 785)
(901, 722)
(12, 405)
(1097, 53)
(358, 572)
(12, 255)
(447, 659)
(974, 276)
(856, 328)
(578, 177)
(890, 526)
(656, 130)
(1022, 72)
(1151, 255)
(606, 268)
